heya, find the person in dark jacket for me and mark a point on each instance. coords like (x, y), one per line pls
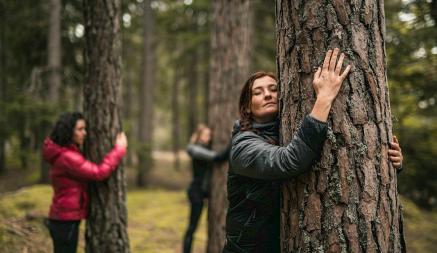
(257, 162)
(70, 173)
(203, 158)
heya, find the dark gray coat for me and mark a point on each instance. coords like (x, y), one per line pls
(203, 158)
(252, 222)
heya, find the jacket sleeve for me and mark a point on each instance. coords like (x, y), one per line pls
(253, 157)
(223, 155)
(78, 166)
(200, 152)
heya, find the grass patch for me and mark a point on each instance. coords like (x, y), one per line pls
(157, 221)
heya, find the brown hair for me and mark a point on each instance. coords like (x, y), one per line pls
(196, 135)
(246, 98)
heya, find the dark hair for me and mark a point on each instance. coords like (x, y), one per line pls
(246, 98)
(62, 132)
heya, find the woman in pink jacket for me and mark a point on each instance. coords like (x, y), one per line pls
(70, 174)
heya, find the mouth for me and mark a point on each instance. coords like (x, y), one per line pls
(270, 103)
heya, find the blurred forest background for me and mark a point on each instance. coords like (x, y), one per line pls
(35, 89)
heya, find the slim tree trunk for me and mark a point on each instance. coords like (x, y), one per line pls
(175, 117)
(192, 93)
(2, 87)
(54, 49)
(349, 202)
(228, 70)
(106, 225)
(204, 78)
(54, 64)
(433, 7)
(145, 129)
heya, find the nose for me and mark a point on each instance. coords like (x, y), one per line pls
(267, 94)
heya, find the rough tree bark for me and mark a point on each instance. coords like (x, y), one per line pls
(230, 41)
(106, 225)
(145, 128)
(349, 203)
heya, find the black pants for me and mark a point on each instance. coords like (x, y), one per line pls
(65, 235)
(196, 201)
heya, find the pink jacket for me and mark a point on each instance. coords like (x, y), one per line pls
(70, 174)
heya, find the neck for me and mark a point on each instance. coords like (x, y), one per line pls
(264, 120)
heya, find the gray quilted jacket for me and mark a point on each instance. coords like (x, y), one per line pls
(252, 222)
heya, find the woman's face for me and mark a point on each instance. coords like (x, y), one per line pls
(79, 132)
(264, 102)
(205, 136)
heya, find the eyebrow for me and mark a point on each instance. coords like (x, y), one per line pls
(268, 86)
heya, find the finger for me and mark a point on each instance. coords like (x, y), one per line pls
(339, 64)
(397, 165)
(317, 74)
(395, 139)
(395, 146)
(393, 152)
(345, 72)
(395, 159)
(333, 60)
(327, 59)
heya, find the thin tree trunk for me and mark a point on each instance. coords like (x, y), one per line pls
(145, 128)
(128, 97)
(54, 64)
(2, 87)
(175, 117)
(54, 50)
(106, 225)
(228, 70)
(192, 93)
(349, 203)
(433, 7)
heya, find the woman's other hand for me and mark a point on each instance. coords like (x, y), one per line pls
(121, 140)
(395, 153)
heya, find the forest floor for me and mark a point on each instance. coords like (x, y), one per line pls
(158, 214)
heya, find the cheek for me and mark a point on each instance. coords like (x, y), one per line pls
(255, 103)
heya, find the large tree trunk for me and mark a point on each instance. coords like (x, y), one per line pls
(228, 70)
(145, 128)
(54, 65)
(349, 203)
(106, 225)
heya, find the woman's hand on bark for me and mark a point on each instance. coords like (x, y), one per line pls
(121, 140)
(328, 78)
(327, 82)
(395, 153)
